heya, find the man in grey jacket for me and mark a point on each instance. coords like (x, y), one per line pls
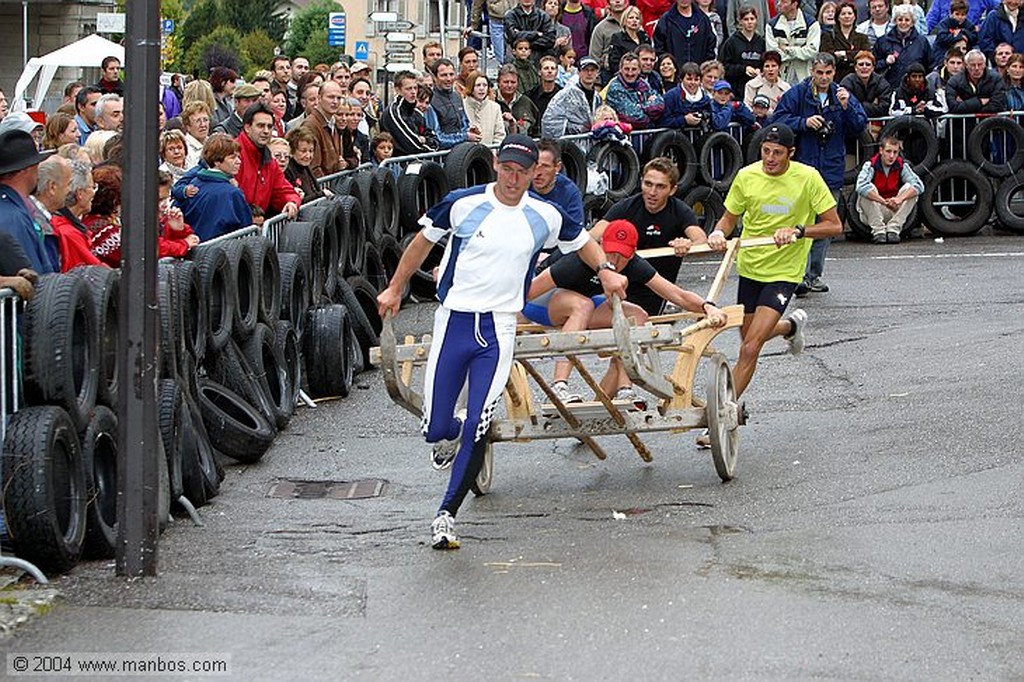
(571, 110)
(601, 38)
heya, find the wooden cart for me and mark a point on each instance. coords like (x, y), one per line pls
(661, 357)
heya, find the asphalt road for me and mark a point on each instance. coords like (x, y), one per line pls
(874, 530)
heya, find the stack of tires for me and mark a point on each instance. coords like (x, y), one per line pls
(60, 454)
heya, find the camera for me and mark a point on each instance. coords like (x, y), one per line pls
(826, 130)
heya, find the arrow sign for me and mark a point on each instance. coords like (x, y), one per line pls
(393, 48)
(395, 67)
(398, 26)
(380, 17)
(394, 37)
(403, 57)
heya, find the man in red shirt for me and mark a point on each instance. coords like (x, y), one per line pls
(261, 180)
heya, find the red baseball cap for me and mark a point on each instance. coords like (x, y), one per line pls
(620, 237)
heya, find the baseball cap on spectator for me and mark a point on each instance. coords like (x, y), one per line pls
(518, 149)
(722, 85)
(779, 134)
(359, 66)
(19, 120)
(620, 237)
(762, 101)
(247, 91)
(588, 61)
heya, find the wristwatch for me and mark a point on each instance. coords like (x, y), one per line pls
(606, 266)
(800, 231)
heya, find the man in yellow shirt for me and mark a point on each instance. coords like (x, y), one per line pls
(780, 198)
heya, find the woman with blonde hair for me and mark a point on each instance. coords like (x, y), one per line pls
(200, 91)
(95, 144)
(195, 120)
(482, 111)
(629, 39)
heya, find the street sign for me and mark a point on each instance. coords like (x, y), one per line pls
(402, 25)
(384, 16)
(395, 67)
(395, 48)
(167, 26)
(336, 29)
(397, 37)
(110, 22)
(362, 50)
(404, 57)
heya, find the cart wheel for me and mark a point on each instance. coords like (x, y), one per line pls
(722, 415)
(482, 484)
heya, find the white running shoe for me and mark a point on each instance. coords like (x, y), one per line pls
(442, 532)
(561, 390)
(795, 338)
(443, 453)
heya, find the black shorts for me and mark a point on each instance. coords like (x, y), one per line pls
(774, 295)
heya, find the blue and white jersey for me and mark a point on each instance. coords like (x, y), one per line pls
(492, 248)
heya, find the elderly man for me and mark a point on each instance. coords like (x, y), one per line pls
(518, 111)
(631, 97)
(797, 37)
(19, 175)
(310, 98)
(51, 192)
(976, 89)
(244, 96)
(571, 110)
(324, 124)
(110, 113)
(261, 180)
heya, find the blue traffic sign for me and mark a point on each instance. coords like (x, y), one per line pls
(167, 26)
(362, 50)
(336, 29)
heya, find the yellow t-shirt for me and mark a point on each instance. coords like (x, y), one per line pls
(768, 202)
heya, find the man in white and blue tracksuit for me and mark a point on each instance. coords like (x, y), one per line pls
(495, 233)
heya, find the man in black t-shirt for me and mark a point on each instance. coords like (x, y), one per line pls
(661, 220)
(578, 302)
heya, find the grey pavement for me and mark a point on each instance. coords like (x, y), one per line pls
(874, 530)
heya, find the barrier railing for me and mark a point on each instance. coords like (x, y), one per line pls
(10, 356)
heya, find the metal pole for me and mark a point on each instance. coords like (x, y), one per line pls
(137, 473)
(443, 26)
(24, 32)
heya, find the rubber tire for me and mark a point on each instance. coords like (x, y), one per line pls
(676, 145)
(295, 295)
(976, 146)
(370, 190)
(1008, 219)
(366, 321)
(247, 288)
(306, 240)
(181, 462)
(861, 231)
(268, 365)
(210, 469)
(867, 146)
(752, 154)
(172, 341)
(421, 185)
(469, 164)
(327, 351)
(594, 208)
(218, 293)
(45, 517)
(422, 286)
(61, 347)
(104, 286)
(268, 274)
(388, 213)
(707, 200)
(373, 268)
(904, 127)
(231, 368)
(235, 428)
(193, 317)
(962, 227)
(286, 341)
(99, 461)
(574, 164)
(733, 159)
(629, 179)
(351, 221)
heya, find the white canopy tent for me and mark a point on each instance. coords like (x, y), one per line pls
(87, 52)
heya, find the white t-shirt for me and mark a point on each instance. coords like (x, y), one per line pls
(493, 248)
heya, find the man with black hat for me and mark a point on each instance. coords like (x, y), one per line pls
(19, 174)
(495, 233)
(244, 96)
(789, 201)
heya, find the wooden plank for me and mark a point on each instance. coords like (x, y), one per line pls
(697, 249)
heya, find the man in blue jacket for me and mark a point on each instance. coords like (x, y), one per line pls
(822, 115)
(998, 28)
(19, 173)
(685, 33)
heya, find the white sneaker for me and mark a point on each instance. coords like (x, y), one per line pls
(626, 393)
(443, 453)
(795, 338)
(561, 390)
(442, 532)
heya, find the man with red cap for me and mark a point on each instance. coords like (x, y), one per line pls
(578, 303)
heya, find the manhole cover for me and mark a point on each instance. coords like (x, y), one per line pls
(335, 490)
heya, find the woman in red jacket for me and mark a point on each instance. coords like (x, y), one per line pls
(72, 234)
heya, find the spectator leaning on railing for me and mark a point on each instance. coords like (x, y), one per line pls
(571, 111)
(976, 89)
(260, 180)
(218, 207)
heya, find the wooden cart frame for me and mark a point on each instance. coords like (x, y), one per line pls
(642, 350)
